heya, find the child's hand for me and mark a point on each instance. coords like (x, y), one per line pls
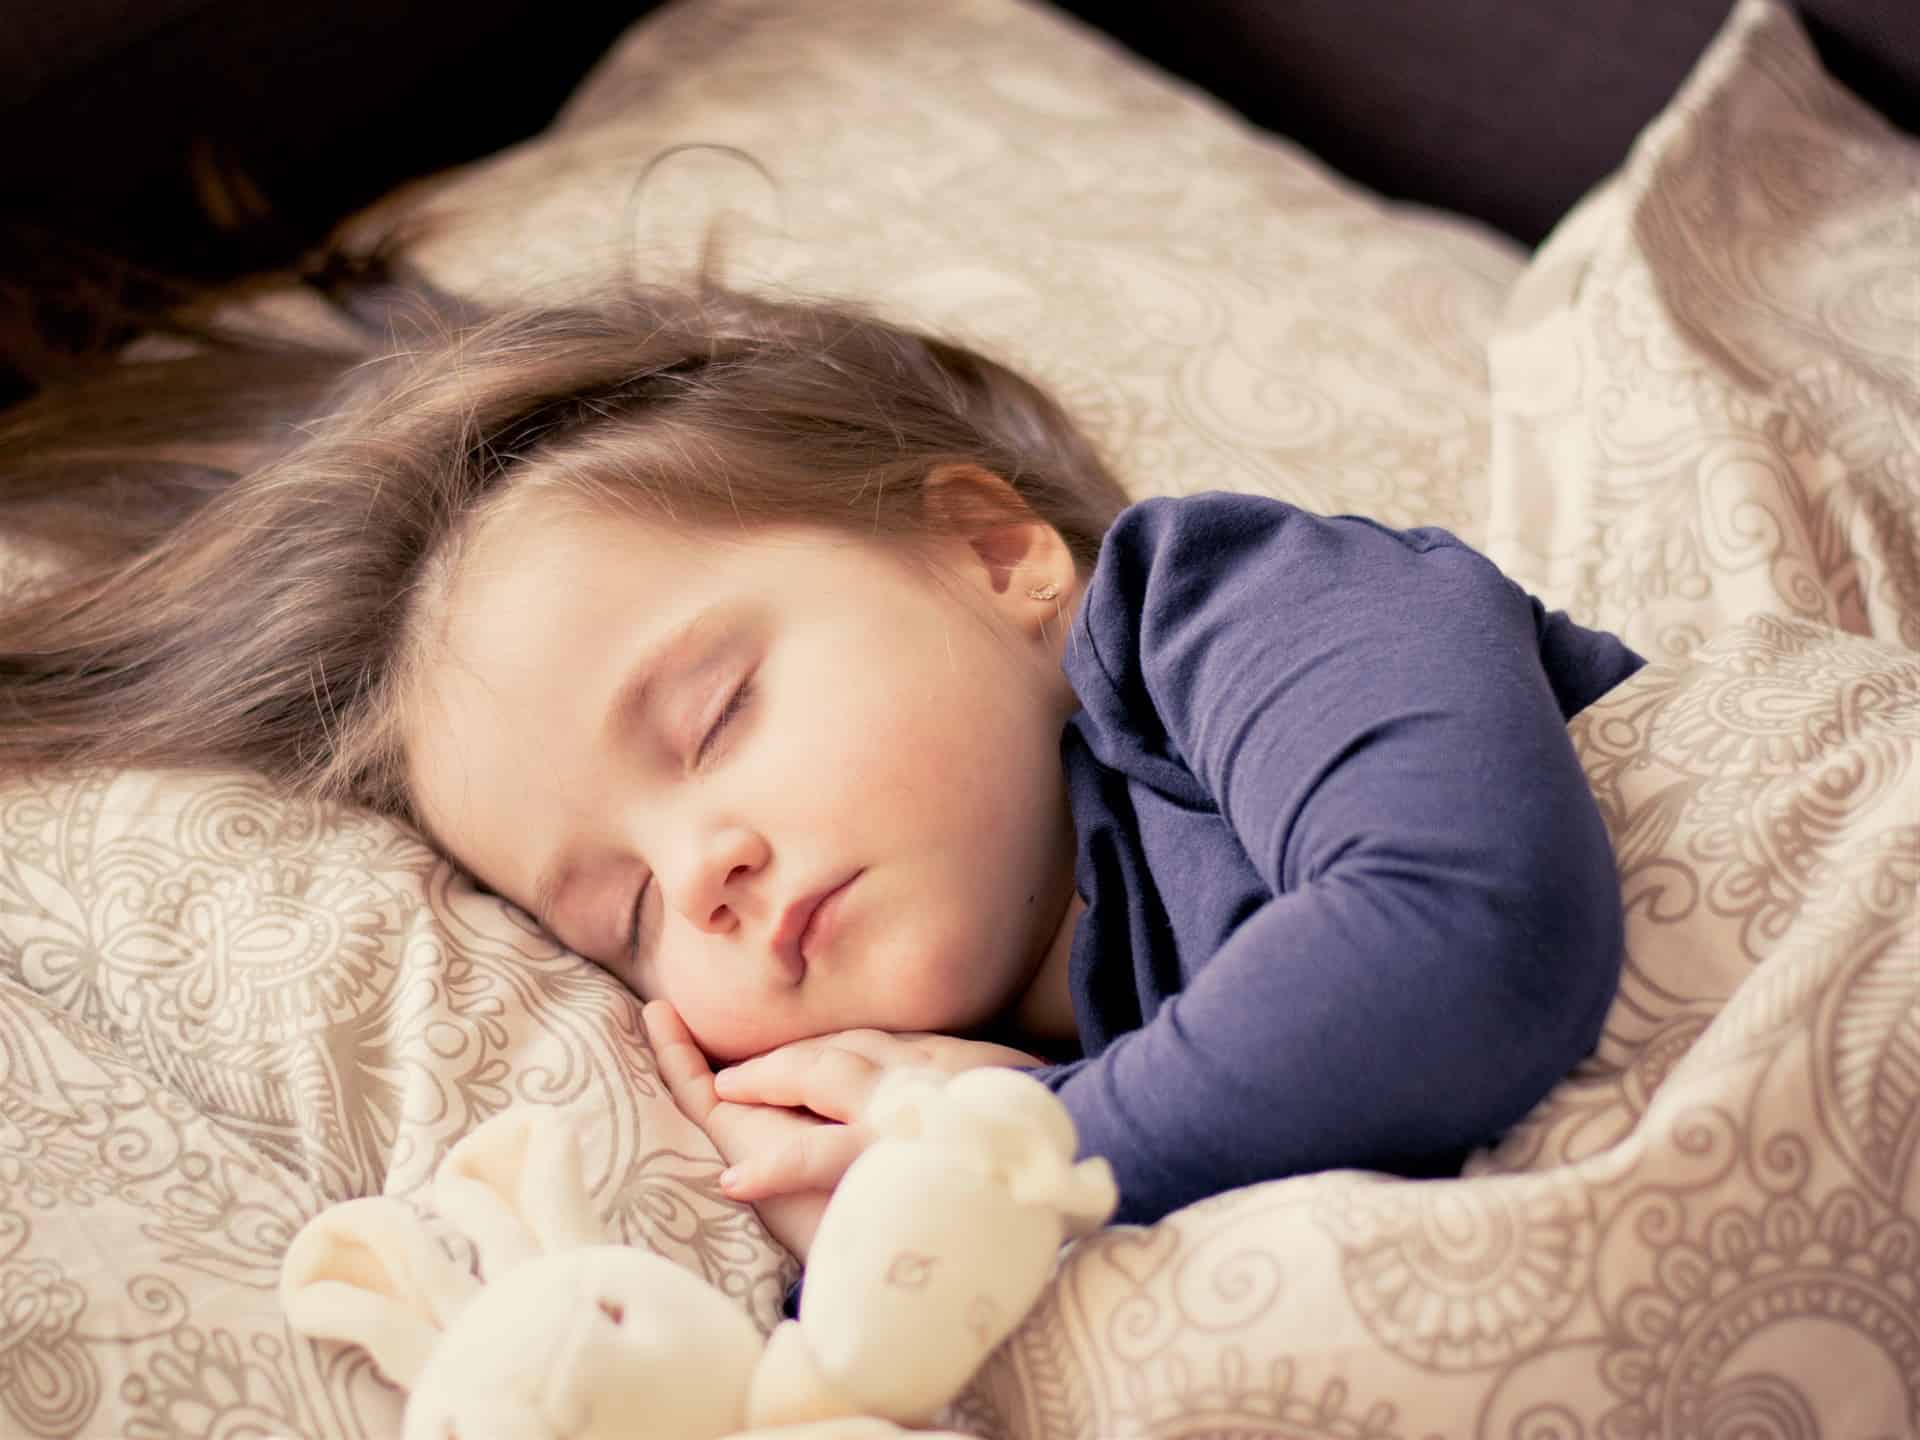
(744, 1132)
(833, 1076)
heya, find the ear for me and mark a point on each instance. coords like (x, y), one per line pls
(517, 1187)
(1016, 555)
(366, 1272)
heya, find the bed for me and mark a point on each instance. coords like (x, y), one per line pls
(1692, 414)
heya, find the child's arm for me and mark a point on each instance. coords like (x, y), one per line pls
(1370, 715)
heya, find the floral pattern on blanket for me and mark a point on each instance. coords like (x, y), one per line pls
(221, 1011)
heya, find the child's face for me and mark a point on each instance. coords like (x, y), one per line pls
(822, 719)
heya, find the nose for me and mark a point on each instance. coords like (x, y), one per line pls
(717, 875)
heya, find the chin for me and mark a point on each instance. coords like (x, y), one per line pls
(961, 1008)
(727, 1052)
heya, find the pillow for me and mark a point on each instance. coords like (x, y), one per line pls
(1505, 111)
(1706, 387)
(221, 1010)
(1211, 303)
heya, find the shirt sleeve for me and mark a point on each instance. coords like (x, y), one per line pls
(1369, 712)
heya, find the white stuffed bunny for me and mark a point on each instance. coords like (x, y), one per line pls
(934, 1246)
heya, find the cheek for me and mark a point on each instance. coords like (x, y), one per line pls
(958, 966)
(927, 748)
(724, 1032)
(727, 1019)
(683, 977)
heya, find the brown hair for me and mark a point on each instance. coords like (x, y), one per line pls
(251, 526)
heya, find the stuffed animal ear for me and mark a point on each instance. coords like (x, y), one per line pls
(517, 1187)
(1006, 1124)
(366, 1272)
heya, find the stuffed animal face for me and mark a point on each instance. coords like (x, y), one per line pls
(593, 1344)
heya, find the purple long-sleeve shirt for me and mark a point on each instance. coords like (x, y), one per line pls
(1349, 898)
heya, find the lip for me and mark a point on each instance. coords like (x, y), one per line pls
(806, 925)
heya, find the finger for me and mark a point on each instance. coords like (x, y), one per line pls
(954, 1053)
(878, 1046)
(825, 1079)
(813, 1160)
(681, 1064)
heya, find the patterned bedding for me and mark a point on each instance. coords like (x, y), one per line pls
(1693, 415)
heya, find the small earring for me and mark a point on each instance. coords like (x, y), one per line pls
(1047, 591)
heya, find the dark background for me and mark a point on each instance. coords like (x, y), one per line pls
(200, 139)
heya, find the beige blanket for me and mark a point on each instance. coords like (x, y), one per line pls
(1693, 416)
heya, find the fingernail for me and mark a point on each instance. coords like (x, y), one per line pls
(729, 1178)
(722, 1079)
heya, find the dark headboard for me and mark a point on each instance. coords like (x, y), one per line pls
(208, 137)
(123, 119)
(1508, 110)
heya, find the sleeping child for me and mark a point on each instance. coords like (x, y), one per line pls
(815, 678)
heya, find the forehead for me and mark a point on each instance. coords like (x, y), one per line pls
(543, 564)
(543, 605)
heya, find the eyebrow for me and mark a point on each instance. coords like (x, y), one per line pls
(670, 655)
(628, 699)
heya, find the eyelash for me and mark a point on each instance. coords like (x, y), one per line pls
(728, 714)
(735, 703)
(633, 922)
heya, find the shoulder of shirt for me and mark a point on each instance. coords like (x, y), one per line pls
(1209, 510)
(1161, 517)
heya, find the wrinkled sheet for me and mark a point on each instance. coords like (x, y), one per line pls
(1693, 416)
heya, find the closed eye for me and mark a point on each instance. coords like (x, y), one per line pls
(735, 704)
(633, 922)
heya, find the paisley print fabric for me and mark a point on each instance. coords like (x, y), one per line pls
(1708, 1229)
(1706, 387)
(1694, 416)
